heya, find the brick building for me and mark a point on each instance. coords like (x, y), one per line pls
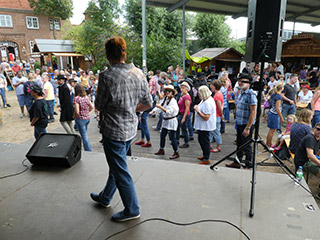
(19, 26)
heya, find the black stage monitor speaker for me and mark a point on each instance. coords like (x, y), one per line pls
(54, 149)
(265, 29)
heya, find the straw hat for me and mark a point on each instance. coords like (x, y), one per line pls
(186, 85)
(170, 87)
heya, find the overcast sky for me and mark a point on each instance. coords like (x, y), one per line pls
(238, 26)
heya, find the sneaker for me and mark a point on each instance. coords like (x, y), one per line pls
(8, 105)
(139, 143)
(22, 115)
(185, 145)
(95, 197)
(5, 106)
(122, 217)
(233, 165)
(191, 138)
(54, 113)
(277, 148)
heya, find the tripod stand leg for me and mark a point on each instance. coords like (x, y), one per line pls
(234, 152)
(278, 160)
(253, 180)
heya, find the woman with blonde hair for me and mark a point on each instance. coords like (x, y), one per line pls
(274, 115)
(300, 129)
(205, 121)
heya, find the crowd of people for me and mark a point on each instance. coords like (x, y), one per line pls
(123, 99)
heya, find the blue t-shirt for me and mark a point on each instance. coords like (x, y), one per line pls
(273, 100)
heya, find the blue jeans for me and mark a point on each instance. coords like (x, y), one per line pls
(159, 124)
(172, 137)
(216, 133)
(50, 108)
(144, 126)
(288, 109)
(183, 128)
(226, 112)
(119, 176)
(316, 118)
(83, 126)
(3, 96)
(189, 124)
(38, 131)
(223, 124)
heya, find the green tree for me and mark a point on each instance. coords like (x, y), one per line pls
(164, 33)
(211, 30)
(54, 9)
(239, 46)
(89, 37)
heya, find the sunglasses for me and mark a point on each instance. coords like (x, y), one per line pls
(166, 91)
(318, 129)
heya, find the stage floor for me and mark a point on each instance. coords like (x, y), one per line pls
(49, 203)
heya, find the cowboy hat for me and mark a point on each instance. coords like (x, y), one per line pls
(186, 85)
(171, 88)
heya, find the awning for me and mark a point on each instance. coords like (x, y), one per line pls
(50, 45)
(306, 11)
(67, 54)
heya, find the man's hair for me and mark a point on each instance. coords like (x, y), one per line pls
(116, 49)
(293, 75)
(317, 124)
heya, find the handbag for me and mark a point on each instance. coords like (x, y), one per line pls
(267, 104)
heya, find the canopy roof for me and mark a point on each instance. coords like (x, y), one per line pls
(306, 11)
(207, 54)
(50, 46)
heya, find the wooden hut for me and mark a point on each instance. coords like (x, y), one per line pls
(302, 50)
(218, 58)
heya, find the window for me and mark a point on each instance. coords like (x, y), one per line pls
(5, 21)
(32, 22)
(56, 24)
(31, 46)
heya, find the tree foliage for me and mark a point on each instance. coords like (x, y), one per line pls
(211, 30)
(90, 36)
(164, 34)
(52, 8)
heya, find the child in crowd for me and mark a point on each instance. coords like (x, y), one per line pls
(280, 139)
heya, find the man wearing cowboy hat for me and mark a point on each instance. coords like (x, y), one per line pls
(38, 112)
(66, 106)
(246, 114)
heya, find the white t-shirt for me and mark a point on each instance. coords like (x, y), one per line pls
(206, 107)
(272, 84)
(172, 110)
(305, 98)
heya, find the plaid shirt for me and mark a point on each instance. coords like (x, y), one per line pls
(84, 104)
(245, 100)
(121, 88)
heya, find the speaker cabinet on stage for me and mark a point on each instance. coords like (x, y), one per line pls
(265, 29)
(53, 149)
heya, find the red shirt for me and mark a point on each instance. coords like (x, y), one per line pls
(182, 103)
(84, 104)
(16, 68)
(218, 97)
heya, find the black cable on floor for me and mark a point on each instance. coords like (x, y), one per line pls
(179, 224)
(18, 173)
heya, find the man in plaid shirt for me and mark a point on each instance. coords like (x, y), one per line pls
(122, 91)
(246, 115)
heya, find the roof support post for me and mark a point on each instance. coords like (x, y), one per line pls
(177, 5)
(184, 36)
(144, 38)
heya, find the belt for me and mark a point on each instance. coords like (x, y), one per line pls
(169, 118)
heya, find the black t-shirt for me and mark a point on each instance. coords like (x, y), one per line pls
(301, 156)
(313, 77)
(39, 110)
(290, 92)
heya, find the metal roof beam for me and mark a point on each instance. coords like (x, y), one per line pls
(177, 5)
(310, 10)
